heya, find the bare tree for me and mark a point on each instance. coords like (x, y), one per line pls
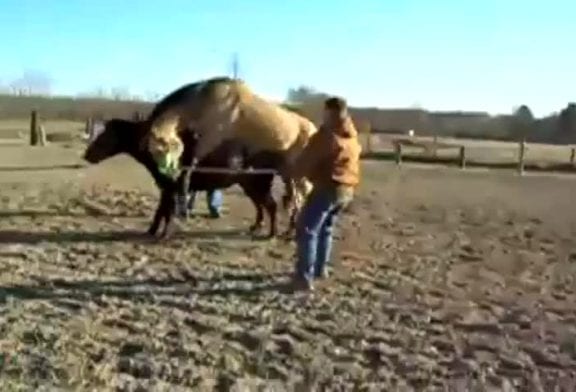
(3, 88)
(567, 124)
(120, 93)
(304, 95)
(97, 93)
(152, 96)
(309, 100)
(32, 82)
(522, 122)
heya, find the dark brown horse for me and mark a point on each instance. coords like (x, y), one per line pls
(123, 136)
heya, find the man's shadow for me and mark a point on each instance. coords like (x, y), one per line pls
(25, 237)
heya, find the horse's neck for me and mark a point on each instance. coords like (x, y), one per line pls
(147, 161)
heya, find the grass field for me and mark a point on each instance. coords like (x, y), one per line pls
(443, 280)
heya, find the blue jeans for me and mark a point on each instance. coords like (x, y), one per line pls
(213, 201)
(314, 231)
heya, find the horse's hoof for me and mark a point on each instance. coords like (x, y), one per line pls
(215, 215)
(163, 237)
(287, 236)
(165, 234)
(254, 229)
(285, 202)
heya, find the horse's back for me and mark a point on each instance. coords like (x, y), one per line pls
(264, 124)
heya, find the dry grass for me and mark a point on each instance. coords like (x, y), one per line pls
(443, 280)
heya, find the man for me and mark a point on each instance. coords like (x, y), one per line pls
(331, 162)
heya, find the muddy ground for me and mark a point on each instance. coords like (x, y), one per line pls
(443, 280)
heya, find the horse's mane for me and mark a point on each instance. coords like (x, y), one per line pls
(186, 92)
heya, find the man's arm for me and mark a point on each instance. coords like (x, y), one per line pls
(316, 150)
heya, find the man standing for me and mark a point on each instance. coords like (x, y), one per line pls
(331, 162)
(185, 199)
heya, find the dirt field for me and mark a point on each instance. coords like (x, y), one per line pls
(443, 280)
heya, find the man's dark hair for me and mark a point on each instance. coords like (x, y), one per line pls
(336, 104)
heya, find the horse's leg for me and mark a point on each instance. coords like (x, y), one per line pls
(293, 208)
(302, 189)
(158, 215)
(272, 209)
(260, 188)
(291, 223)
(250, 189)
(182, 193)
(168, 212)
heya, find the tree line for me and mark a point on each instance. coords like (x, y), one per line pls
(33, 91)
(558, 128)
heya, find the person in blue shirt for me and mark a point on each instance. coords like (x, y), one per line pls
(213, 202)
(185, 200)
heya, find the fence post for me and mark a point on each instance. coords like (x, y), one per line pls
(398, 155)
(369, 141)
(89, 127)
(136, 116)
(521, 155)
(462, 157)
(572, 155)
(42, 141)
(33, 128)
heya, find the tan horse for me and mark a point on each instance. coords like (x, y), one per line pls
(223, 108)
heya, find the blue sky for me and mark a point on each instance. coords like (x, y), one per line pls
(438, 54)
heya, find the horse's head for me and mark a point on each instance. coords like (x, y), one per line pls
(117, 136)
(164, 144)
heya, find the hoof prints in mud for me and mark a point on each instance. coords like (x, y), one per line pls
(430, 300)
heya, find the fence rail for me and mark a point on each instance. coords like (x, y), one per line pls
(520, 156)
(221, 170)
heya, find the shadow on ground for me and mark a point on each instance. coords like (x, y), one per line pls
(12, 237)
(147, 289)
(47, 214)
(40, 168)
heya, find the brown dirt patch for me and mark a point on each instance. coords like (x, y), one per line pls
(442, 279)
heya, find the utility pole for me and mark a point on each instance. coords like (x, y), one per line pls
(235, 66)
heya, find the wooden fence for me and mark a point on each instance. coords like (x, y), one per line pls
(38, 136)
(429, 146)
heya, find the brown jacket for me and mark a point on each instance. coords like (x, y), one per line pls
(332, 156)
